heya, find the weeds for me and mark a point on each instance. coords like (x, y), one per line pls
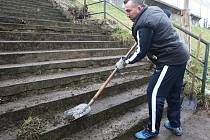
(202, 102)
(30, 129)
(122, 34)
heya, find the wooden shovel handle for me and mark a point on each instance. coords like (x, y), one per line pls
(110, 76)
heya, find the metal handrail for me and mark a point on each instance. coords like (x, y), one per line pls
(119, 21)
(207, 44)
(106, 13)
(191, 34)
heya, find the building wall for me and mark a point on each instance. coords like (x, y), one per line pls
(176, 11)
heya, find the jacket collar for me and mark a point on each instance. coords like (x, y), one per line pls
(139, 15)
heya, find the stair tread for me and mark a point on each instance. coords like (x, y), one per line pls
(35, 8)
(47, 93)
(56, 121)
(111, 128)
(98, 106)
(32, 79)
(28, 4)
(35, 20)
(35, 15)
(11, 35)
(58, 41)
(34, 100)
(37, 33)
(66, 50)
(41, 26)
(9, 66)
(23, 19)
(8, 46)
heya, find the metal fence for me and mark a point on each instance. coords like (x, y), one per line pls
(204, 61)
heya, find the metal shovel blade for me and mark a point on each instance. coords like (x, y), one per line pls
(77, 111)
(189, 103)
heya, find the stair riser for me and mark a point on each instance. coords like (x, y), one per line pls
(36, 16)
(39, 57)
(20, 72)
(53, 37)
(88, 121)
(140, 126)
(32, 11)
(44, 1)
(26, 3)
(64, 104)
(11, 7)
(52, 84)
(34, 46)
(31, 21)
(35, 7)
(70, 23)
(68, 27)
(130, 132)
(44, 29)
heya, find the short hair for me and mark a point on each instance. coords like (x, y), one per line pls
(138, 2)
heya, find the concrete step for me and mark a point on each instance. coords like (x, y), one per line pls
(54, 124)
(27, 3)
(64, 98)
(24, 8)
(30, 11)
(11, 46)
(114, 127)
(35, 8)
(34, 15)
(46, 1)
(14, 71)
(45, 22)
(16, 36)
(43, 83)
(40, 56)
(102, 110)
(50, 29)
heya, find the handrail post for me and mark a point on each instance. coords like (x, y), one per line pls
(105, 9)
(205, 70)
(84, 10)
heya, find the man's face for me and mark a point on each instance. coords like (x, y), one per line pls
(132, 10)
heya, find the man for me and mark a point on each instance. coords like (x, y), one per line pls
(157, 38)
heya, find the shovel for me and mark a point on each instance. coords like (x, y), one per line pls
(83, 109)
(190, 103)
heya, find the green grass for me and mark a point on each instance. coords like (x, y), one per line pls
(124, 34)
(96, 8)
(205, 34)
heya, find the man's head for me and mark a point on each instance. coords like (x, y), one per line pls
(133, 8)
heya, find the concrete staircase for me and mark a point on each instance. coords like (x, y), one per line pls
(49, 64)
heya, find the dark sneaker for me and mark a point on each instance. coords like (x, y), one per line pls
(178, 131)
(145, 134)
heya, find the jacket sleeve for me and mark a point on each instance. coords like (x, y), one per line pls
(144, 38)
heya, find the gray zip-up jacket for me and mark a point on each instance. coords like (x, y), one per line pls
(164, 46)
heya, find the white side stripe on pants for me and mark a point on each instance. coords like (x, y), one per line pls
(154, 94)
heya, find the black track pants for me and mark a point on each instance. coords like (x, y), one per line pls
(165, 83)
